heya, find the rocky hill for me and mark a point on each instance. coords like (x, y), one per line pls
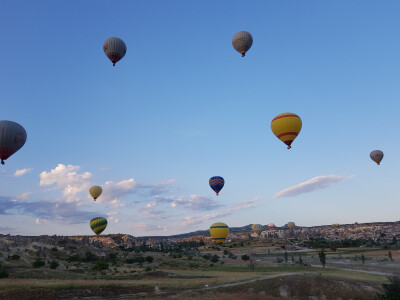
(375, 231)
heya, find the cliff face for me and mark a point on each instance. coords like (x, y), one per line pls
(374, 231)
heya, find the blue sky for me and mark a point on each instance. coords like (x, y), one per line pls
(183, 106)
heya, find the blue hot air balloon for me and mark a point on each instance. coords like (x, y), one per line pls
(217, 183)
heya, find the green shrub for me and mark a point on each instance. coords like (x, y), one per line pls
(54, 264)
(15, 257)
(54, 249)
(3, 273)
(215, 258)
(245, 257)
(149, 259)
(100, 266)
(38, 263)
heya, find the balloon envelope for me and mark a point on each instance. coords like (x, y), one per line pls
(219, 231)
(291, 225)
(98, 225)
(12, 138)
(271, 225)
(216, 183)
(242, 42)
(286, 127)
(115, 49)
(257, 228)
(95, 191)
(376, 156)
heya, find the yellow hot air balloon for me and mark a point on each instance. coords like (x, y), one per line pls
(286, 127)
(219, 231)
(257, 228)
(291, 225)
(95, 192)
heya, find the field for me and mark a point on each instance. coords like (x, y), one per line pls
(211, 273)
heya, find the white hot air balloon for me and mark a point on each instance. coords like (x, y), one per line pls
(242, 42)
(376, 156)
(12, 138)
(115, 49)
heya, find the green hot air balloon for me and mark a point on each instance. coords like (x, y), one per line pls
(98, 225)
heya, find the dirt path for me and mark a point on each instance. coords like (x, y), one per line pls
(356, 270)
(206, 288)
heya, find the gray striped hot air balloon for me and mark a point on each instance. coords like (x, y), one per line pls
(12, 138)
(376, 156)
(242, 42)
(115, 49)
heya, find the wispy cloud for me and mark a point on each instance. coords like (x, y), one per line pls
(67, 213)
(21, 172)
(316, 183)
(190, 220)
(193, 202)
(150, 211)
(148, 227)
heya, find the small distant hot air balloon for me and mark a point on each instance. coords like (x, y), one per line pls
(95, 191)
(242, 42)
(12, 138)
(115, 49)
(98, 225)
(291, 225)
(257, 228)
(376, 156)
(286, 127)
(271, 226)
(219, 232)
(217, 183)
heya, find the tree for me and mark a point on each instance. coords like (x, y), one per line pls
(245, 257)
(100, 266)
(3, 273)
(390, 255)
(149, 259)
(14, 257)
(215, 258)
(286, 256)
(112, 257)
(300, 259)
(363, 258)
(38, 263)
(54, 264)
(322, 257)
(391, 289)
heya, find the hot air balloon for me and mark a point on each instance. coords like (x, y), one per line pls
(95, 191)
(217, 183)
(257, 228)
(242, 42)
(98, 225)
(376, 156)
(115, 49)
(12, 138)
(291, 225)
(219, 232)
(271, 226)
(286, 127)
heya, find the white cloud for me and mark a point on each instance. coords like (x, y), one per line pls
(193, 203)
(238, 206)
(22, 172)
(23, 196)
(68, 178)
(149, 227)
(316, 183)
(112, 216)
(113, 192)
